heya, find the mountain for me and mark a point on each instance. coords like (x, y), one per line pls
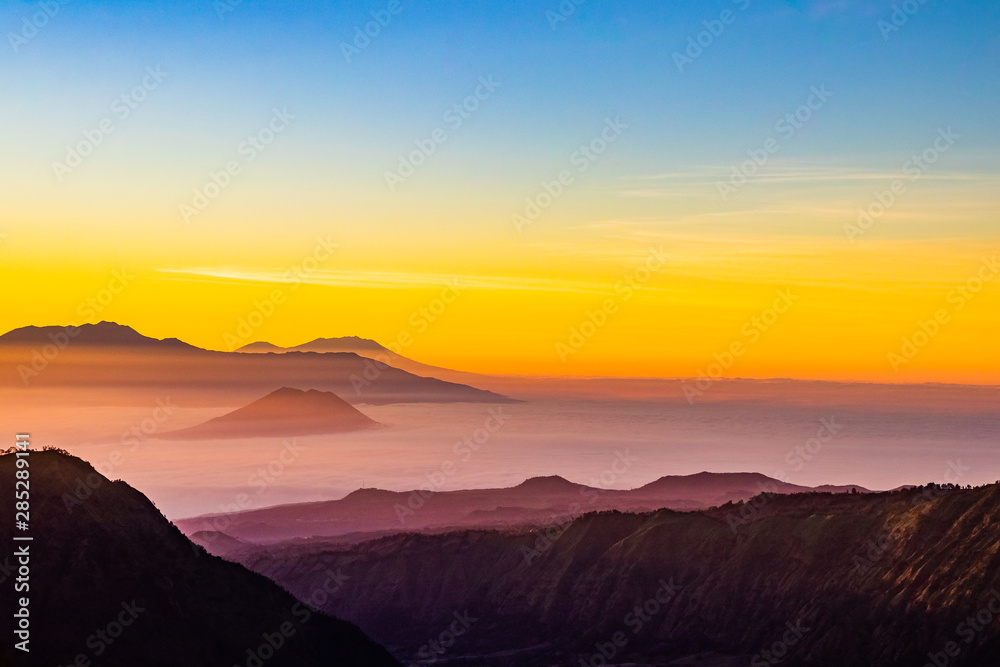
(532, 503)
(113, 357)
(903, 578)
(370, 349)
(340, 344)
(551, 484)
(102, 334)
(285, 412)
(717, 488)
(112, 582)
(260, 346)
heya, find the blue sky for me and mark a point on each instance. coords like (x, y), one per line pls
(607, 59)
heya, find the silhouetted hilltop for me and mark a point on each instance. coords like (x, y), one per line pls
(107, 334)
(337, 344)
(260, 346)
(111, 579)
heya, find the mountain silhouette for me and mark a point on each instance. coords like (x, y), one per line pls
(102, 334)
(533, 502)
(260, 346)
(113, 356)
(901, 578)
(338, 344)
(369, 349)
(113, 581)
(285, 412)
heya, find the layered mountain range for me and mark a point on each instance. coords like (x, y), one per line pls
(537, 501)
(109, 356)
(909, 577)
(374, 350)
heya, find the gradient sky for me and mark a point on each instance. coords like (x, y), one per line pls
(720, 261)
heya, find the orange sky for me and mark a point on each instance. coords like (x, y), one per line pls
(602, 212)
(654, 303)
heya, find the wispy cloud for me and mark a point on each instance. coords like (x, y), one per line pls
(786, 258)
(667, 184)
(382, 280)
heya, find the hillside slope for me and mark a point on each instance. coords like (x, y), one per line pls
(111, 579)
(846, 579)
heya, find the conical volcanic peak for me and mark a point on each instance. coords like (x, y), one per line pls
(285, 412)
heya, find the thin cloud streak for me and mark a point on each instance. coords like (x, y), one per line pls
(710, 178)
(386, 280)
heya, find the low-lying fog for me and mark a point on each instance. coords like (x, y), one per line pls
(453, 446)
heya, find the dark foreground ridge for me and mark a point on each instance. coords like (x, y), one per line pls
(113, 583)
(910, 577)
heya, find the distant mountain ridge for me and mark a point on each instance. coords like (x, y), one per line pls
(336, 344)
(533, 502)
(369, 349)
(260, 347)
(112, 355)
(109, 334)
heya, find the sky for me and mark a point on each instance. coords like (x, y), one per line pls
(743, 189)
